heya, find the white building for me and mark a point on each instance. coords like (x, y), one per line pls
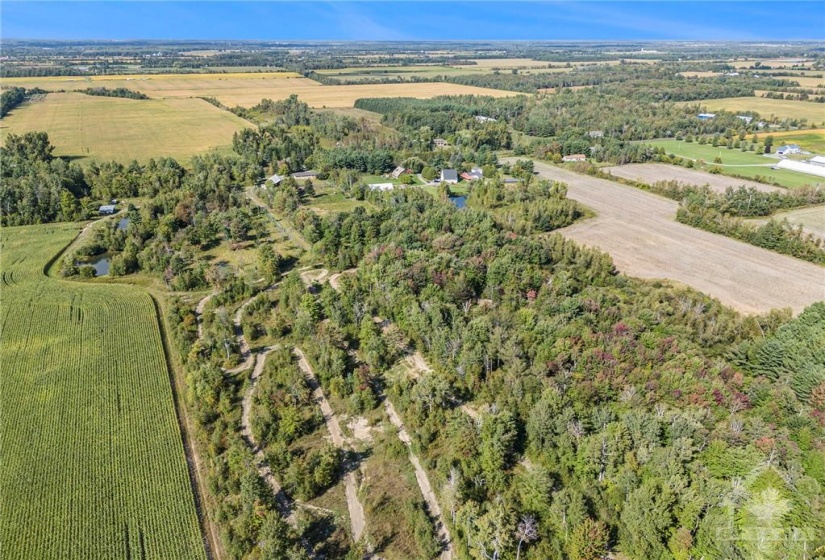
(381, 186)
(788, 150)
(817, 160)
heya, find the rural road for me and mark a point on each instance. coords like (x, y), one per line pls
(356, 509)
(640, 232)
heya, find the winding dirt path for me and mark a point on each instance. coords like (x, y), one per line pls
(423, 482)
(356, 509)
(417, 363)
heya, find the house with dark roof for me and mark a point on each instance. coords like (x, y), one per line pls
(449, 176)
(107, 209)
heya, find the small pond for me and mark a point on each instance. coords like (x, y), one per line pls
(459, 201)
(123, 223)
(101, 264)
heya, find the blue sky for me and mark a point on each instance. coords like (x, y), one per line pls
(396, 20)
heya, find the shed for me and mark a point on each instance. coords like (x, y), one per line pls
(449, 176)
(275, 178)
(574, 157)
(107, 209)
(397, 172)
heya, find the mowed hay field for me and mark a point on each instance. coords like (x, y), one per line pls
(106, 128)
(781, 108)
(652, 172)
(93, 461)
(247, 90)
(640, 231)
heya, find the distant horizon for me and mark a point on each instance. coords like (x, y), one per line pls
(444, 21)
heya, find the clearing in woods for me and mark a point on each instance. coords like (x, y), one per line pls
(93, 463)
(652, 172)
(639, 231)
(106, 128)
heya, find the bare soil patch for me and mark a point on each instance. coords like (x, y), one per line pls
(651, 172)
(639, 231)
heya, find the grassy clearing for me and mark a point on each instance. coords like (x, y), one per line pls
(93, 464)
(780, 108)
(335, 203)
(105, 128)
(734, 162)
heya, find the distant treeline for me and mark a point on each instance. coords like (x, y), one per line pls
(116, 92)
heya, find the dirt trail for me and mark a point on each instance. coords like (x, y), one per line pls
(335, 279)
(416, 360)
(356, 509)
(283, 504)
(640, 232)
(258, 359)
(308, 277)
(296, 238)
(423, 482)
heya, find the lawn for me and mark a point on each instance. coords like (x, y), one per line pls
(93, 463)
(104, 128)
(734, 162)
(780, 108)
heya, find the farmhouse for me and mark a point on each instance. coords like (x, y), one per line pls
(440, 143)
(397, 172)
(107, 209)
(788, 150)
(381, 186)
(305, 175)
(449, 176)
(574, 157)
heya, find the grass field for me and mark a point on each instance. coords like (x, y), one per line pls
(809, 140)
(735, 162)
(248, 89)
(813, 112)
(105, 128)
(93, 463)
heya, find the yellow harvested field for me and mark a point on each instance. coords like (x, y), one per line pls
(106, 128)
(813, 112)
(248, 89)
(820, 131)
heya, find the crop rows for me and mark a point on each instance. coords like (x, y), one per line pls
(93, 464)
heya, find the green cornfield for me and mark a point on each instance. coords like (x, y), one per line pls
(93, 464)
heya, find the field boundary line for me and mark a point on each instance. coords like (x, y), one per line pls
(211, 548)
